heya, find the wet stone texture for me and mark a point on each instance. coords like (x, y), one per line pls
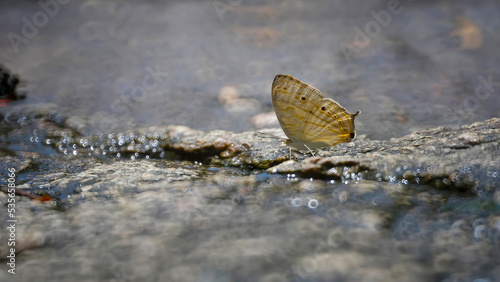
(176, 204)
(467, 158)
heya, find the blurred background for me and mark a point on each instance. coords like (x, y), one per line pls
(209, 64)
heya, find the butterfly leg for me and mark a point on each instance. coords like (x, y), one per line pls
(310, 151)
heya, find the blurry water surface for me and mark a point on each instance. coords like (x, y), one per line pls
(395, 61)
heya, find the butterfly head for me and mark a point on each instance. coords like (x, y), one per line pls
(348, 137)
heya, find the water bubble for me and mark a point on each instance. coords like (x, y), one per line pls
(313, 203)
(291, 177)
(332, 171)
(343, 196)
(238, 199)
(478, 221)
(480, 232)
(235, 201)
(297, 202)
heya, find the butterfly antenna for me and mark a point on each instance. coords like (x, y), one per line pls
(263, 134)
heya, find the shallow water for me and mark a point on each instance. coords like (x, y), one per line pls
(409, 75)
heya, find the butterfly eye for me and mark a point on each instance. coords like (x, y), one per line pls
(352, 135)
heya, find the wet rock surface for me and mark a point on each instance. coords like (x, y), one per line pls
(176, 204)
(467, 158)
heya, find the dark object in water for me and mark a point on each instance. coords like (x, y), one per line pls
(8, 85)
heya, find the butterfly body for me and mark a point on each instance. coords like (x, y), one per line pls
(309, 119)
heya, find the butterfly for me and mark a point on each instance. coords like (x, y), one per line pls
(309, 119)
